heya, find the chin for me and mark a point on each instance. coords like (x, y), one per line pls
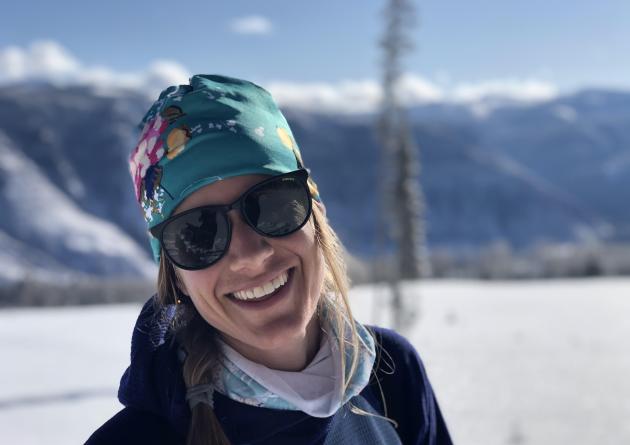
(280, 333)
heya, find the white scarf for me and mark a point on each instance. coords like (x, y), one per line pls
(316, 390)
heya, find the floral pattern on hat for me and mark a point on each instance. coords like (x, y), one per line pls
(285, 138)
(176, 141)
(147, 153)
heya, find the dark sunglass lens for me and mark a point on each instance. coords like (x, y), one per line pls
(196, 239)
(278, 207)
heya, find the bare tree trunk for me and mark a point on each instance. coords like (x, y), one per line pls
(402, 202)
(410, 207)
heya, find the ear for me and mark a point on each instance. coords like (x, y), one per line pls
(179, 282)
(182, 296)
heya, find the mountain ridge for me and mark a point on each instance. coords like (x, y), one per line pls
(553, 171)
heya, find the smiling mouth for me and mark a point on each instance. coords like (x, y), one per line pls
(263, 292)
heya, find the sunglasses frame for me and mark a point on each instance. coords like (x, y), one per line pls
(300, 175)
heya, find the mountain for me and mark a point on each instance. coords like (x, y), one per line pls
(475, 196)
(66, 199)
(80, 142)
(580, 143)
(557, 171)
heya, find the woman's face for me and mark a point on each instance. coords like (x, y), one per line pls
(251, 263)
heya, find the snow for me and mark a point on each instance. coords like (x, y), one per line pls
(35, 201)
(530, 363)
(63, 369)
(510, 362)
(30, 191)
(565, 113)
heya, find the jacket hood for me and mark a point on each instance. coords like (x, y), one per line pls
(153, 382)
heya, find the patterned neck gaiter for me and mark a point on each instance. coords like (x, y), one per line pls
(316, 390)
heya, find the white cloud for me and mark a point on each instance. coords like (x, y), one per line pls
(414, 90)
(351, 96)
(43, 59)
(344, 97)
(12, 63)
(484, 97)
(48, 60)
(354, 96)
(517, 89)
(253, 24)
(162, 73)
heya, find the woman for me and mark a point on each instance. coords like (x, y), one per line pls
(250, 338)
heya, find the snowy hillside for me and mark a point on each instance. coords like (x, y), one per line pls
(511, 363)
(493, 172)
(44, 230)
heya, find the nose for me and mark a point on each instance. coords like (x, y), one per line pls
(248, 250)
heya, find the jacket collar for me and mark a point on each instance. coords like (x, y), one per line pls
(153, 381)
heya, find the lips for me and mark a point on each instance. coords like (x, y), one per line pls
(267, 299)
(263, 290)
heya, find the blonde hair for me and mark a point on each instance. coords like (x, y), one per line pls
(198, 338)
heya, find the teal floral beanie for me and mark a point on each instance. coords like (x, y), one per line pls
(214, 128)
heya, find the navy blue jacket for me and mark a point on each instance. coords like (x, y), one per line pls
(153, 393)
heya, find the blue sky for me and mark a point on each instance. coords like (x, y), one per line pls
(563, 44)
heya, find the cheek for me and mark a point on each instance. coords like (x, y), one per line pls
(198, 284)
(200, 287)
(314, 264)
(317, 286)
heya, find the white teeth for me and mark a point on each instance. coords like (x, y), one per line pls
(265, 289)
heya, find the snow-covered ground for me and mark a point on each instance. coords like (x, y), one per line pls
(511, 362)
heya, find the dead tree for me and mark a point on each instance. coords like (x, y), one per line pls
(402, 202)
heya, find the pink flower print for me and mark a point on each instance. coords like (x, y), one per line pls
(148, 152)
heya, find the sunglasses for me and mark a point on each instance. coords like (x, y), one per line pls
(199, 237)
